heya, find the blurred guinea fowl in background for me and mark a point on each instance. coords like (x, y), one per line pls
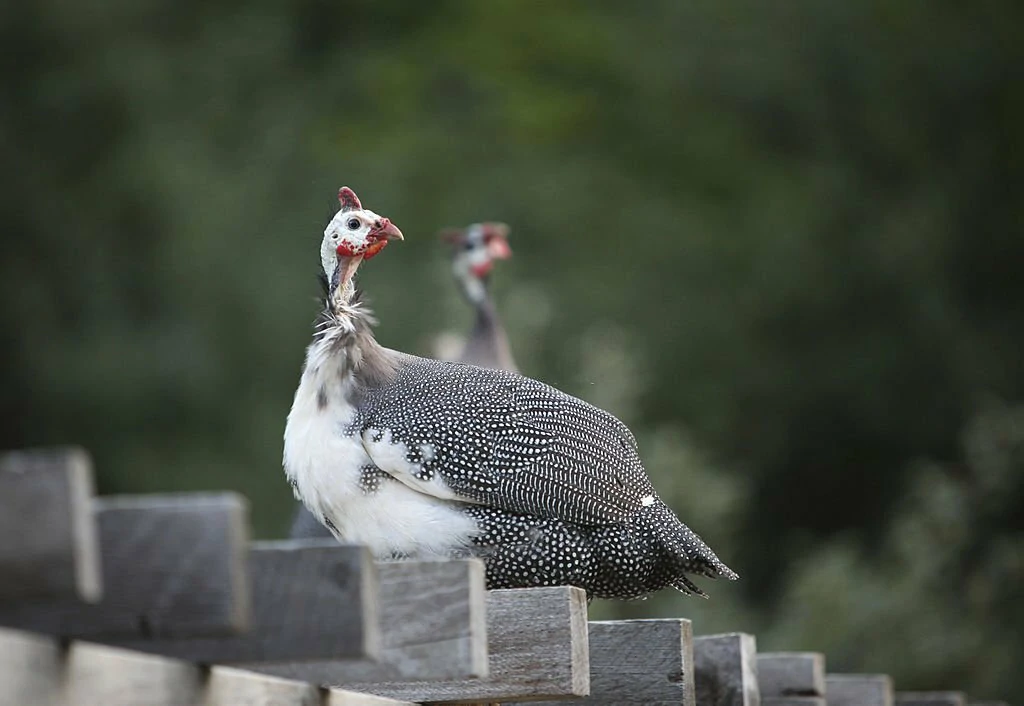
(474, 250)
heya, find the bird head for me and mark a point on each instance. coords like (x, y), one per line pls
(353, 235)
(474, 250)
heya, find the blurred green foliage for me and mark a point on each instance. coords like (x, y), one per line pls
(782, 241)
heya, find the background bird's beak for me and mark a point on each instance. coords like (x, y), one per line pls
(497, 248)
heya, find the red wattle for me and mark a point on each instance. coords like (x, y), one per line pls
(374, 249)
(349, 250)
(481, 269)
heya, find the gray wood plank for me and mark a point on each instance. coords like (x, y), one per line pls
(930, 698)
(172, 565)
(640, 662)
(98, 675)
(793, 701)
(30, 669)
(725, 667)
(538, 648)
(858, 690)
(305, 526)
(343, 697)
(231, 687)
(227, 687)
(309, 601)
(433, 626)
(790, 674)
(48, 540)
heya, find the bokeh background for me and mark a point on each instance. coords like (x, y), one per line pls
(782, 241)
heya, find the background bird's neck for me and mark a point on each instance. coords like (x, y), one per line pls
(475, 290)
(487, 344)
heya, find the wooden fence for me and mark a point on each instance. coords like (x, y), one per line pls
(162, 600)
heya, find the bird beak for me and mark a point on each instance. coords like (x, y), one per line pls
(384, 229)
(497, 248)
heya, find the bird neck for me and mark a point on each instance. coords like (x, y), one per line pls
(344, 344)
(486, 316)
(487, 344)
(475, 290)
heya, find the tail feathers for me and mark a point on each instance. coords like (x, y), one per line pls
(690, 554)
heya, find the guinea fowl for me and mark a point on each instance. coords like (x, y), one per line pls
(474, 250)
(422, 458)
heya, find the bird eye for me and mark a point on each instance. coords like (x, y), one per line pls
(353, 224)
(468, 246)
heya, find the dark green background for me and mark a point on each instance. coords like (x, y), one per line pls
(782, 241)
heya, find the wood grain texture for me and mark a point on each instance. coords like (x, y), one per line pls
(49, 548)
(343, 697)
(791, 674)
(228, 687)
(640, 662)
(30, 669)
(106, 676)
(433, 626)
(858, 690)
(725, 667)
(235, 687)
(538, 647)
(309, 601)
(97, 675)
(172, 565)
(930, 698)
(793, 701)
(37, 671)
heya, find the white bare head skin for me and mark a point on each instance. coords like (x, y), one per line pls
(353, 235)
(474, 251)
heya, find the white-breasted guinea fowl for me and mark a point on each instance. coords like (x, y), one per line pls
(474, 251)
(423, 458)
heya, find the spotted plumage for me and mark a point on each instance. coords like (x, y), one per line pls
(418, 457)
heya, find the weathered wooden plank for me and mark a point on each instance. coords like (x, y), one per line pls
(36, 671)
(172, 565)
(790, 674)
(30, 669)
(227, 686)
(305, 526)
(930, 698)
(538, 648)
(309, 601)
(858, 690)
(793, 701)
(98, 675)
(640, 662)
(48, 539)
(433, 626)
(231, 687)
(725, 668)
(343, 697)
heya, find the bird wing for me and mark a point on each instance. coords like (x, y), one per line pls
(459, 432)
